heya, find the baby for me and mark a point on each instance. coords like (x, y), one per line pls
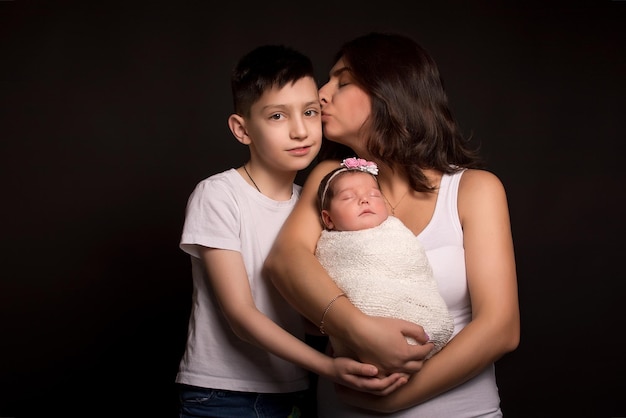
(373, 257)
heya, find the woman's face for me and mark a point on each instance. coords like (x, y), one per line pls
(345, 108)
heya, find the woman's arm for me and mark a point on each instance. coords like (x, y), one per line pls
(302, 280)
(491, 274)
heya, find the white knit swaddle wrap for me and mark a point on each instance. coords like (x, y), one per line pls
(384, 271)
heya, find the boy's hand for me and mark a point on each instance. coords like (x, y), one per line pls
(364, 377)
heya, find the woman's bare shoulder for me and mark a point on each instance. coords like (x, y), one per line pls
(480, 192)
(323, 167)
(319, 171)
(481, 181)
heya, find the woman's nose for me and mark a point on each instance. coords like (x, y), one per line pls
(323, 96)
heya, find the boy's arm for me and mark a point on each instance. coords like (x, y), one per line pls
(229, 281)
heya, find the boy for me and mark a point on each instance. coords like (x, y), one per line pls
(245, 354)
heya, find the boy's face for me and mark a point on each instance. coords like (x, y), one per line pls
(285, 126)
(357, 203)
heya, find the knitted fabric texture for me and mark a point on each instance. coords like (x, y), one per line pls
(384, 272)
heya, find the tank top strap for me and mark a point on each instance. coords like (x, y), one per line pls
(445, 226)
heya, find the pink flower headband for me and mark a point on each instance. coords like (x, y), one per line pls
(361, 165)
(351, 164)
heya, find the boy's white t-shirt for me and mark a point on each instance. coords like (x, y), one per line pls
(225, 212)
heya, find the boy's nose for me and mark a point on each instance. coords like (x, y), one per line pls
(299, 129)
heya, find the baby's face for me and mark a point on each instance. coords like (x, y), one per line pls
(357, 204)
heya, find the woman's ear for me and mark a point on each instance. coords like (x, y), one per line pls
(237, 125)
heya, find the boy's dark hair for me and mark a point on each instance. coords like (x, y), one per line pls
(263, 68)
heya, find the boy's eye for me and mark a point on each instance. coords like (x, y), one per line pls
(311, 112)
(276, 116)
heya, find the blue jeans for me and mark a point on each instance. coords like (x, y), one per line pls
(203, 402)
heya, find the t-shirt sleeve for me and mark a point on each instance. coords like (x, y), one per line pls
(212, 218)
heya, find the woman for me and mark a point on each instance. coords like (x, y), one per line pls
(385, 101)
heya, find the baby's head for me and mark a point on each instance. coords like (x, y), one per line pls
(349, 198)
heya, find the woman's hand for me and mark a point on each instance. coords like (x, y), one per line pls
(382, 342)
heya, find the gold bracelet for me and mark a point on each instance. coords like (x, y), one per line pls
(326, 311)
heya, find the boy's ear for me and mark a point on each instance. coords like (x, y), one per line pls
(237, 126)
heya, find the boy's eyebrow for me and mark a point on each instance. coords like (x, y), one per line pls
(312, 103)
(284, 106)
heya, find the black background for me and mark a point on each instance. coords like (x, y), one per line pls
(112, 111)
